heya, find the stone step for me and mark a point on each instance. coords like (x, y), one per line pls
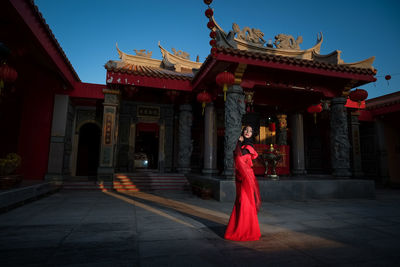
(147, 182)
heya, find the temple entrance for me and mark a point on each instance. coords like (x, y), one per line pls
(317, 145)
(88, 150)
(147, 146)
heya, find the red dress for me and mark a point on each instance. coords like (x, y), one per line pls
(243, 223)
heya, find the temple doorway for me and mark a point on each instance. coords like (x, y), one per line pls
(147, 146)
(88, 150)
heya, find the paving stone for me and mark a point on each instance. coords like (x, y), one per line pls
(97, 229)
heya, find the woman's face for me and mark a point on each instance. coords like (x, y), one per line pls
(248, 132)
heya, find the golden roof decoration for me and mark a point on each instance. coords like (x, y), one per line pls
(251, 39)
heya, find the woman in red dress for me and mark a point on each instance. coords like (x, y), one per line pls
(243, 223)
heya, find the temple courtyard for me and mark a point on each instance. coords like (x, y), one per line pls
(94, 228)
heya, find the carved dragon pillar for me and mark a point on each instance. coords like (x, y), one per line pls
(340, 145)
(234, 111)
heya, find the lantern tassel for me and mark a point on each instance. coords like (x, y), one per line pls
(225, 89)
(203, 104)
(315, 117)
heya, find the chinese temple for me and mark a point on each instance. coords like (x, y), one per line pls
(178, 115)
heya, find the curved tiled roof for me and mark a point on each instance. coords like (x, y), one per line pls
(383, 101)
(53, 38)
(293, 61)
(148, 71)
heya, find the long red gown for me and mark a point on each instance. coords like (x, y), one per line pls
(243, 223)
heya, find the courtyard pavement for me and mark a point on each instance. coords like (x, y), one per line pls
(93, 228)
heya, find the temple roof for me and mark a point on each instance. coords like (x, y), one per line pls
(176, 66)
(149, 71)
(295, 61)
(251, 40)
(383, 101)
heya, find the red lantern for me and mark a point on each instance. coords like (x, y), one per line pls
(315, 109)
(272, 127)
(214, 51)
(213, 42)
(358, 95)
(7, 75)
(388, 77)
(211, 24)
(204, 98)
(209, 13)
(213, 34)
(207, 2)
(224, 79)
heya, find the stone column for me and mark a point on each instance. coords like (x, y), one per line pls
(105, 171)
(296, 121)
(355, 132)
(57, 141)
(210, 140)
(234, 110)
(381, 151)
(340, 145)
(185, 138)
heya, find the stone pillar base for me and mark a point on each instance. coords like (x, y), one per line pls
(105, 174)
(209, 171)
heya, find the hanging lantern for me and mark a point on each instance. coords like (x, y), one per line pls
(213, 34)
(214, 51)
(211, 24)
(204, 98)
(358, 95)
(387, 78)
(213, 43)
(314, 109)
(7, 75)
(224, 79)
(209, 13)
(207, 2)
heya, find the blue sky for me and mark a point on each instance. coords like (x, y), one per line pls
(88, 30)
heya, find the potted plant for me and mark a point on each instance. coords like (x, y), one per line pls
(8, 167)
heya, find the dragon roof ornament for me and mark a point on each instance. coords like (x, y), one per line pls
(252, 39)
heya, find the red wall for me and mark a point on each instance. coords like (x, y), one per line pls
(35, 131)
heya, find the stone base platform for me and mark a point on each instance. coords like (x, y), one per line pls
(292, 188)
(25, 193)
